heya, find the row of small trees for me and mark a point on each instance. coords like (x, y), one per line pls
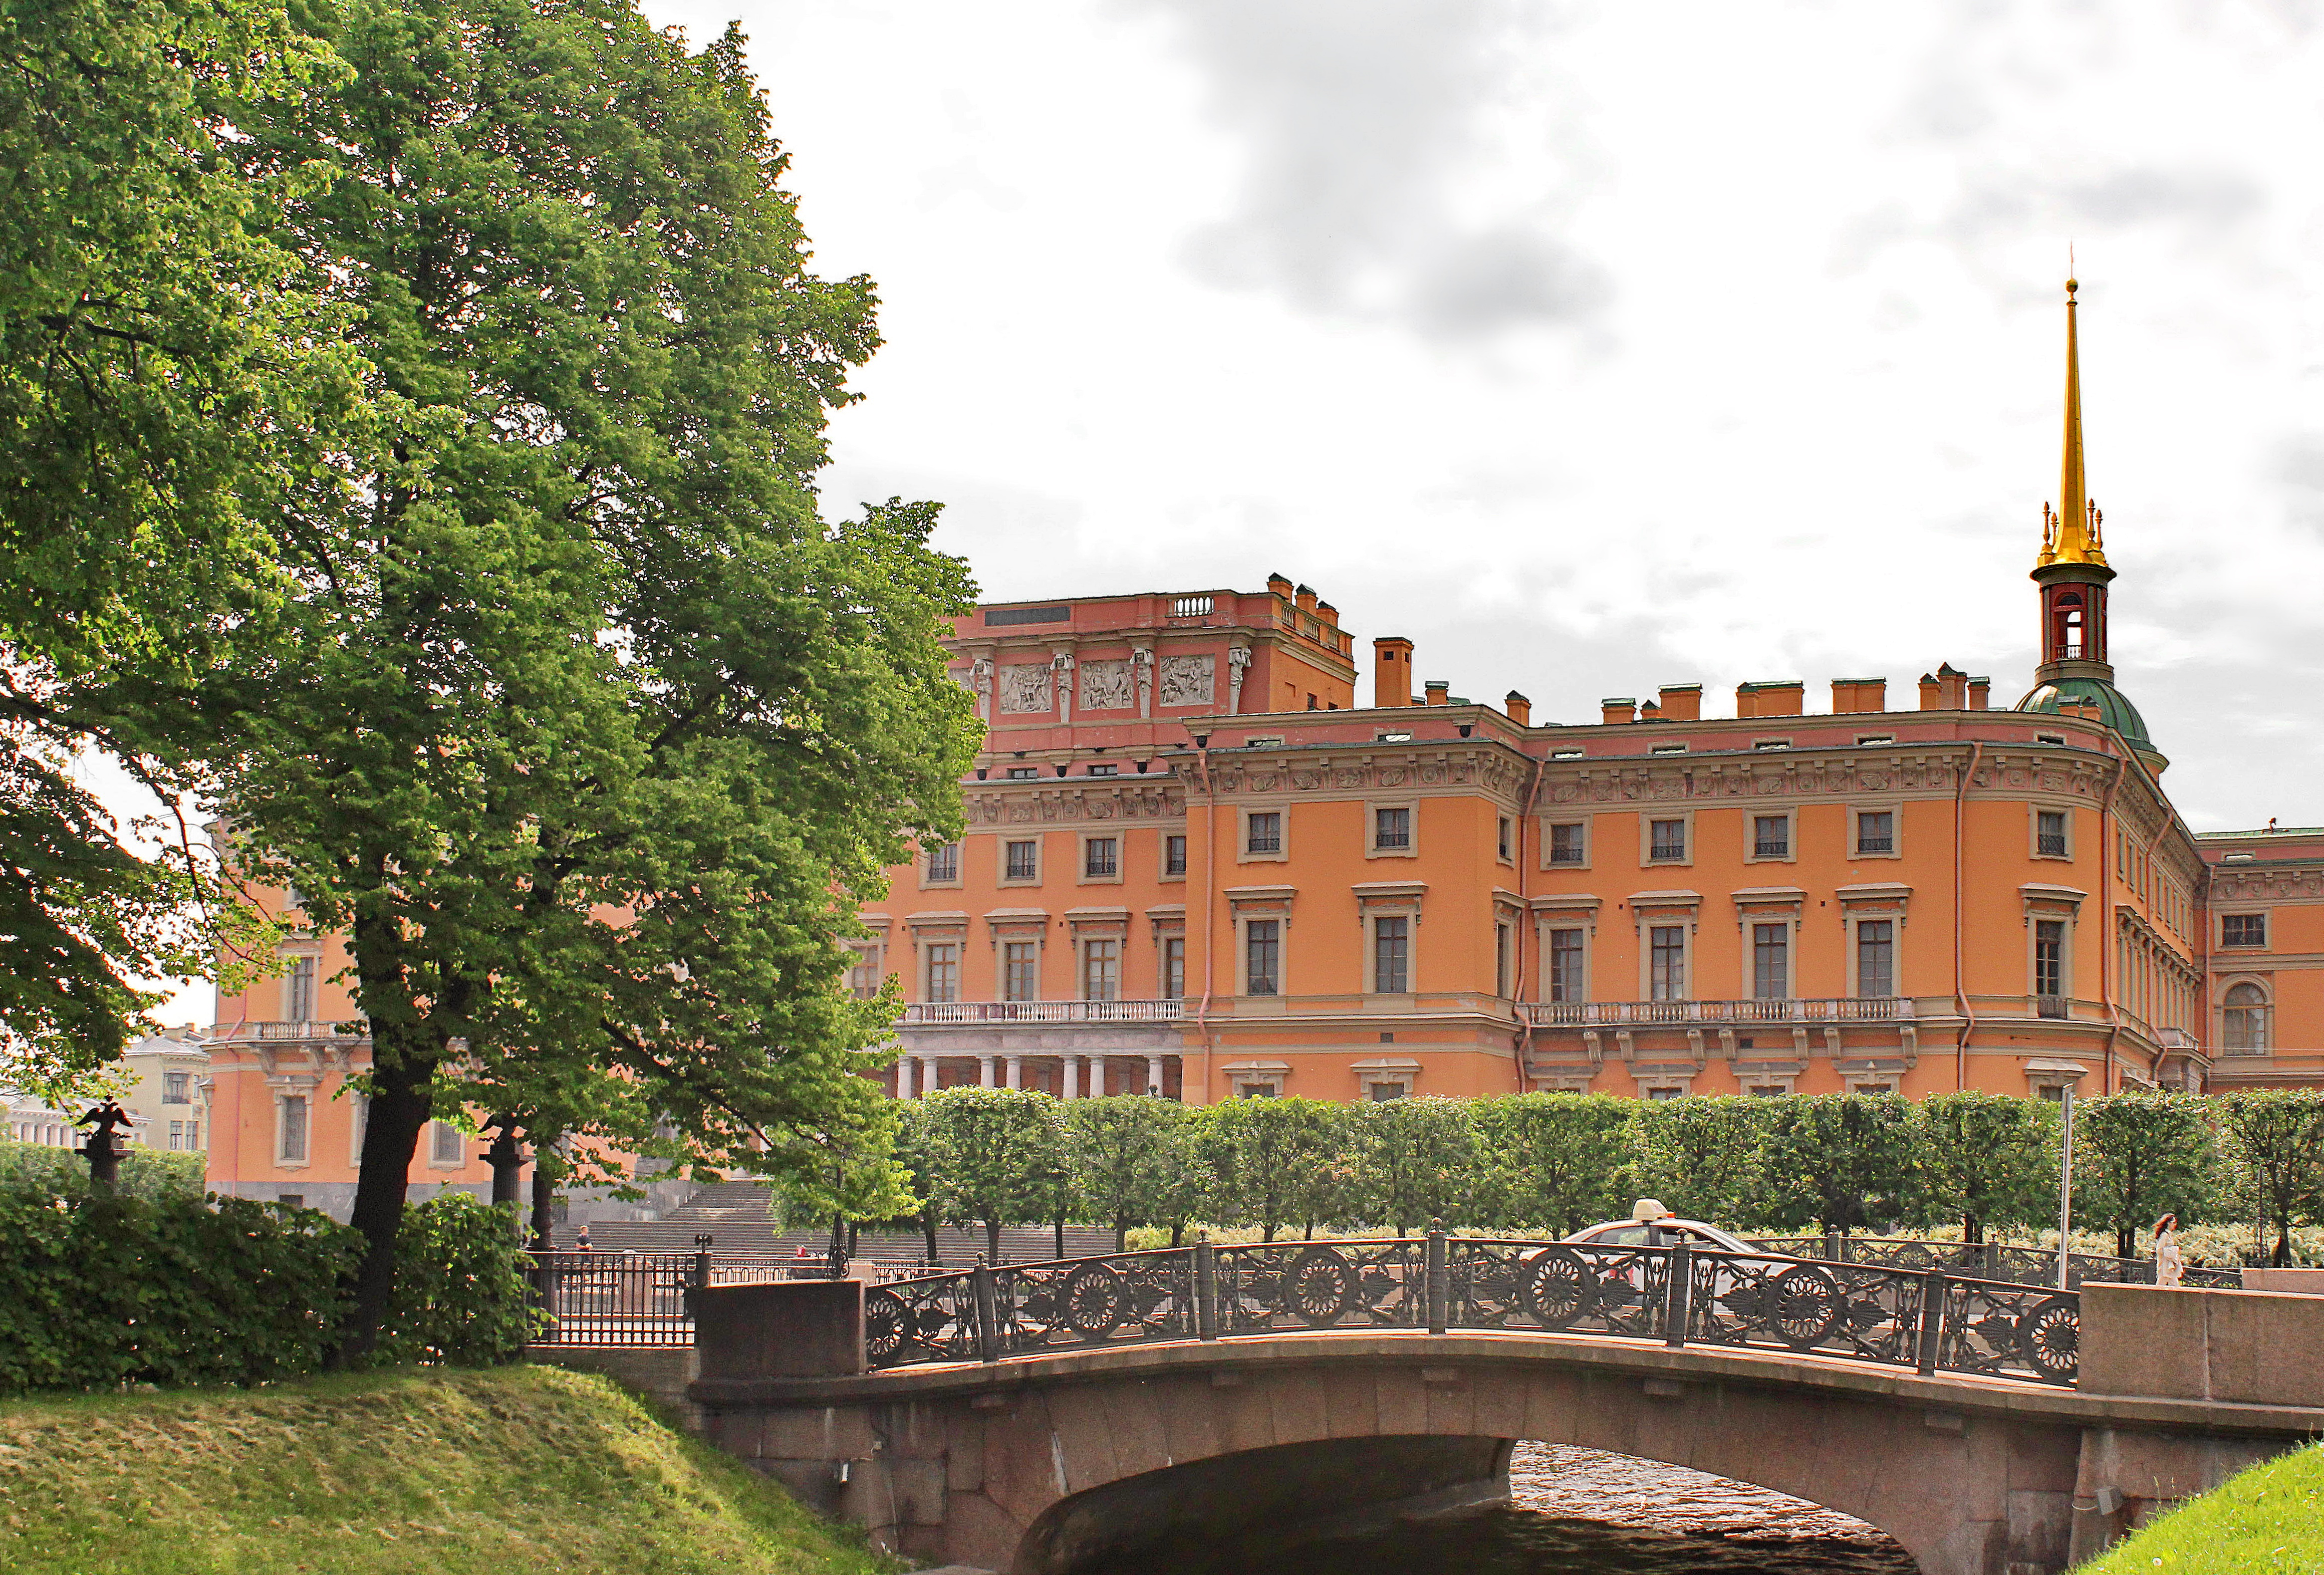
(1553, 1163)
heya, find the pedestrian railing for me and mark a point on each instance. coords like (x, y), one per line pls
(1929, 1319)
(2031, 1266)
(639, 1298)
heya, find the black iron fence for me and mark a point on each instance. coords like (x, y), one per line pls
(639, 1298)
(2031, 1266)
(1928, 1319)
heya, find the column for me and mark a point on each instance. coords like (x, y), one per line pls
(1016, 1071)
(985, 1072)
(1071, 1088)
(1153, 1074)
(929, 1064)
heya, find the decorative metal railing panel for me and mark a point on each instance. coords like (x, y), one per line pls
(1921, 1316)
(2031, 1265)
(639, 1298)
(1593, 1014)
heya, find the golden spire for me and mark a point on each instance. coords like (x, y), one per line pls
(2071, 536)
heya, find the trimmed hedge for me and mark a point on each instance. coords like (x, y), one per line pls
(100, 1291)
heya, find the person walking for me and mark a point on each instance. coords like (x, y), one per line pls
(2168, 1263)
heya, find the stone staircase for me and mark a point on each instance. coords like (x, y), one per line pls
(733, 1215)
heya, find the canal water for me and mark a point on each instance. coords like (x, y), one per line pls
(1579, 1512)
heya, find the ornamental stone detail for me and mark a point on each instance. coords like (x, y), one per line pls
(1189, 680)
(1025, 689)
(1106, 686)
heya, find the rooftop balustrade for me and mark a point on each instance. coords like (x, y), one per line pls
(1591, 1014)
(983, 1013)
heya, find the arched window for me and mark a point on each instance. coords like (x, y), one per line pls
(2069, 633)
(2245, 1017)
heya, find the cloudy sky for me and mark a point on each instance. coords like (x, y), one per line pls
(1601, 346)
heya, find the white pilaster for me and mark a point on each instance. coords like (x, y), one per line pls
(1153, 1074)
(1071, 1087)
(1016, 1071)
(985, 1072)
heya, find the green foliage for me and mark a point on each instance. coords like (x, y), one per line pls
(453, 1473)
(2274, 1140)
(62, 1173)
(2140, 1155)
(1119, 1155)
(998, 1155)
(1417, 1160)
(1702, 1159)
(1988, 1160)
(1838, 1161)
(461, 1297)
(98, 1291)
(1271, 1162)
(1557, 1162)
(2269, 1517)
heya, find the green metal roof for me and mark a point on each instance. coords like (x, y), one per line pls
(2115, 711)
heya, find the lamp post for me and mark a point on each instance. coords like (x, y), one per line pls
(2066, 1184)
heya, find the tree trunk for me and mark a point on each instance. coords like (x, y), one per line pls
(544, 1199)
(1177, 1233)
(2126, 1241)
(400, 1102)
(1972, 1230)
(1268, 1233)
(1120, 1235)
(993, 1241)
(1061, 1233)
(507, 1159)
(929, 1230)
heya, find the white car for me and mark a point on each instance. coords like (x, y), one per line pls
(1798, 1301)
(1663, 1231)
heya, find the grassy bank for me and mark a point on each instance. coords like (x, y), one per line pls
(453, 1473)
(2269, 1518)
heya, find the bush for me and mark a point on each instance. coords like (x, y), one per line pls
(144, 1172)
(100, 1291)
(460, 1292)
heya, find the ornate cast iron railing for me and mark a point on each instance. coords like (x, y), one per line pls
(639, 1298)
(2031, 1266)
(1925, 1318)
(1598, 1014)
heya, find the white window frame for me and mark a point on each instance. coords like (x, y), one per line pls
(358, 1119)
(1648, 925)
(1894, 809)
(1243, 855)
(2034, 810)
(283, 1158)
(292, 956)
(1411, 849)
(1001, 876)
(1895, 920)
(1410, 918)
(1001, 945)
(2219, 1009)
(1546, 925)
(926, 949)
(2033, 919)
(1750, 982)
(1790, 816)
(929, 882)
(1082, 944)
(1081, 857)
(1505, 840)
(437, 1127)
(2265, 917)
(1162, 855)
(1163, 940)
(1243, 921)
(1549, 823)
(1646, 819)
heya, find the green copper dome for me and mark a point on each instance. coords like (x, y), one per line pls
(2117, 712)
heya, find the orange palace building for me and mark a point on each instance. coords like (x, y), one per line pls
(1192, 867)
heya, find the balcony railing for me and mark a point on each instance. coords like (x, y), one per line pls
(1591, 1014)
(2050, 1006)
(308, 1030)
(976, 1013)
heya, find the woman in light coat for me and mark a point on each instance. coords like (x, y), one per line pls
(2168, 1265)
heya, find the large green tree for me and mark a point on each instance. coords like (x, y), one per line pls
(162, 371)
(2274, 1141)
(1416, 1161)
(2138, 1157)
(1118, 1153)
(575, 714)
(1987, 1159)
(1266, 1161)
(1700, 1156)
(1554, 1160)
(998, 1155)
(1844, 1161)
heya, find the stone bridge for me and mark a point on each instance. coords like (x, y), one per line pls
(1064, 1462)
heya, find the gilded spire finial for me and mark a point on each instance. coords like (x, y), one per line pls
(2075, 536)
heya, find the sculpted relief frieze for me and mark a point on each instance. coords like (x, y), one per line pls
(1106, 686)
(1189, 680)
(1135, 802)
(1027, 689)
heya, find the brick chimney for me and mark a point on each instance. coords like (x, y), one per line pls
(1980, 693)
(1851, 695)
(1440, 691)
(1621, 708)
(1281, 584)
(1328, 613)
(1650, 712)
(1773, 697)
(1929, 692)
(1391, 671)
(1520, 708)
(1305, 596)
(1681, 701)
(1945, 690)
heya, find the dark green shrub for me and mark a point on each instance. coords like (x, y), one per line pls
(460, 1291)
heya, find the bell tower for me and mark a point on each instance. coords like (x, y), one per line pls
(2073, 569)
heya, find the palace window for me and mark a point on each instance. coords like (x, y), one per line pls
(1262, 942)
(1023, 862)
(1771, 961)
(1024, 773)
(299, 991)
(1566, 845)
(445, 1146)
(177, 1088)
(1771, 836)
(943, 970)
(863, 974)
(943, 862)
(1501, 959)
(1508, 837)
(1666, 970)
(1875, 957)
(1391, 955)
(1263, 831)
(1666, 842)
(1174, 855)
(2049, 833)
(1100, 970)
(2050, 965)
(1174, 967)
(1106, 769)
(1020, 970)
(1100, 858)
(1875, 831)
(2243, 929)
(1392, 828)
(293, 1147)
(1565, 980)
(2243, 1020)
